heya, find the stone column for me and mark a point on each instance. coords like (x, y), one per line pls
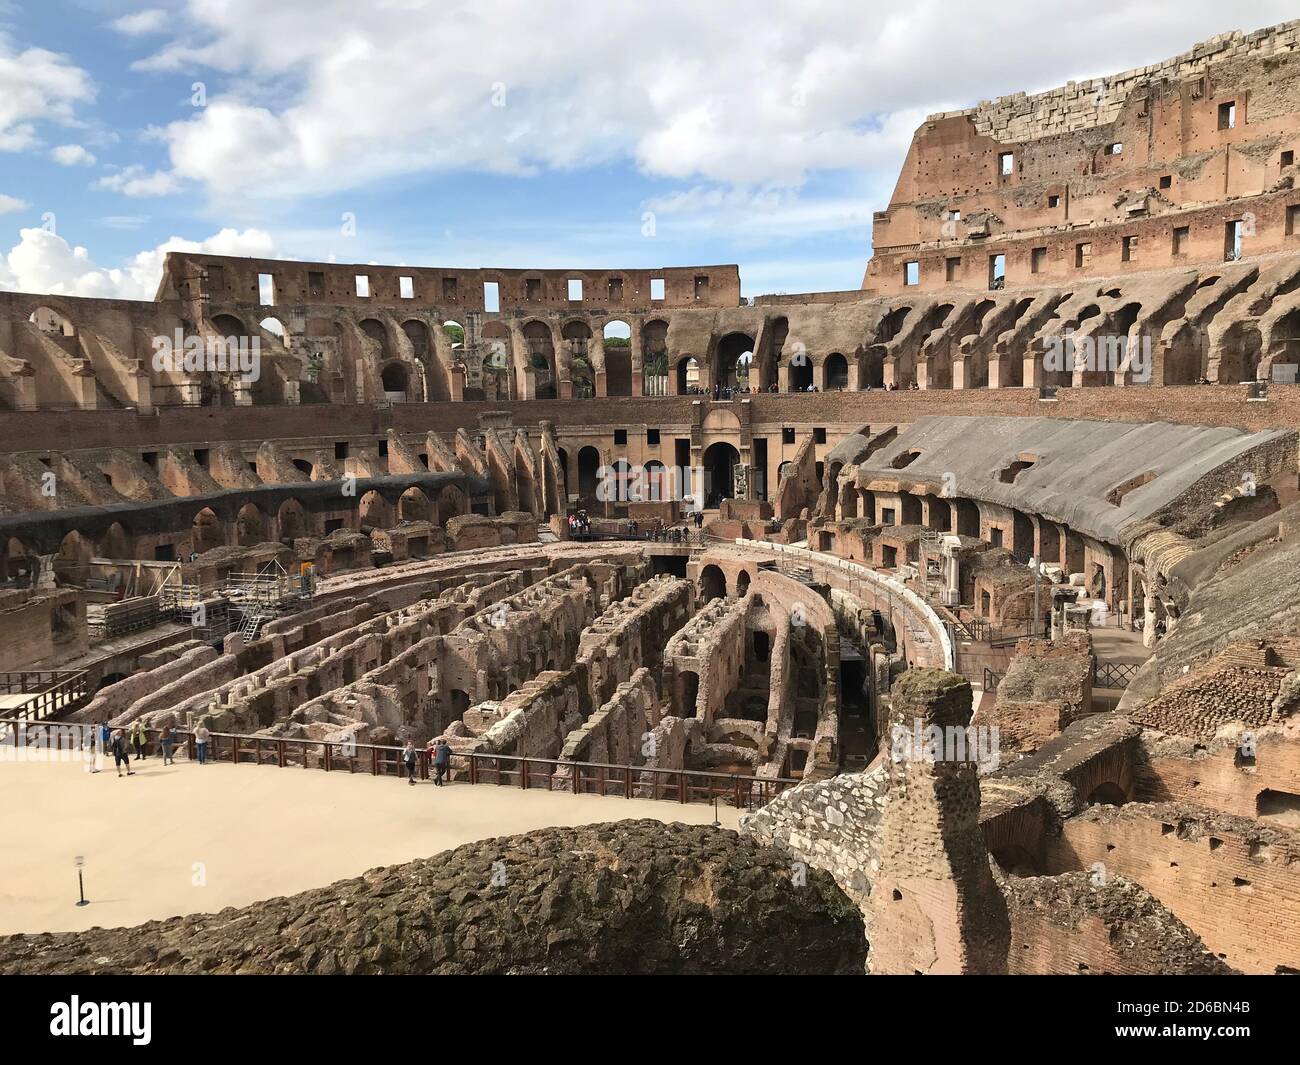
(935, 905)
(638, 360)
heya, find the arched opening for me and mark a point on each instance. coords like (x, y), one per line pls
(688, 692)
(418, 334)
(375, 511)
(541, 359)
(720, 461)
(713, 585)
(731, 349)
(618, 358)
(76, 548)
(455, 333)
(588, 474)
(396, 379)
(835, 373)
(742, 583)
(205, 531)
(688, 376)
(495, 381)
(1107, 794)
(459, 703)
(577, 342)
(228, 326)
(109, 679)
(654, 358)
(451, 504)
(657, 487)
(303, 466)
(116, 542)
(273, 326)
(250, 525)
(414, 505)
(52, 323)
(801, 370)
(374, 329)
(291, 520)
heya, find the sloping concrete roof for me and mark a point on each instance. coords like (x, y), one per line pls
(1076, 464)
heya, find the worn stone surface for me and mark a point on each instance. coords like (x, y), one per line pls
(630, 897)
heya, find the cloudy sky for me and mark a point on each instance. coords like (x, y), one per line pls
(541, 133)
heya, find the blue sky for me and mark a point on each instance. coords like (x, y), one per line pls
(512, 133)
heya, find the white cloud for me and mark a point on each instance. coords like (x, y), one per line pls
(37, 86)
(151, 20)
(42, 261)
(8, 204)
(72, 155)
(326, 95)
(136, 181)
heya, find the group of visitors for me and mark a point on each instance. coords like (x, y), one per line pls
(134, 739)
(438, 754)
(579, 523)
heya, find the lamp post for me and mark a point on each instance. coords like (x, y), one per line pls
(78, 862)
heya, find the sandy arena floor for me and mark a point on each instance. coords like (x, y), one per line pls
(187, 838)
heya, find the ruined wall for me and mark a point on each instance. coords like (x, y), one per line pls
(1220, 875)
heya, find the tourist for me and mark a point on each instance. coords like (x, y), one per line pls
(120, 756)
(441, 761)
(139, 739)
(409, 759)
(201, 738)
(167, 741)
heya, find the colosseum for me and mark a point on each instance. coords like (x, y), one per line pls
(949, 625)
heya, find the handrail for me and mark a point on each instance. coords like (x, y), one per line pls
(923, 611)
(61, 690)
(579, 778)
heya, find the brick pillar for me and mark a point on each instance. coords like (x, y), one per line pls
(936, 907)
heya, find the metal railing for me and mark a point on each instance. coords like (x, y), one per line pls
(992, 678)
(502, 770)
(50, 692)
(1113, 674)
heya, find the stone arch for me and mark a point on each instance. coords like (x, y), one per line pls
(588, 473)
(51, 322)
(540, 348)
(742, 582)
(273, 325)
(451, 503)
(116, 542)
(720, 461)
(291, 520)
(206, 531)
(688, 378)
(250, 525)
(374, 510)
(414, 505)
(376, 331)
(618, 357)
(731, 349)
(654, 357)
(395, 377)
(76, 548)
(417, 332)
(713, 583)
(576, 334)
(835, 373)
